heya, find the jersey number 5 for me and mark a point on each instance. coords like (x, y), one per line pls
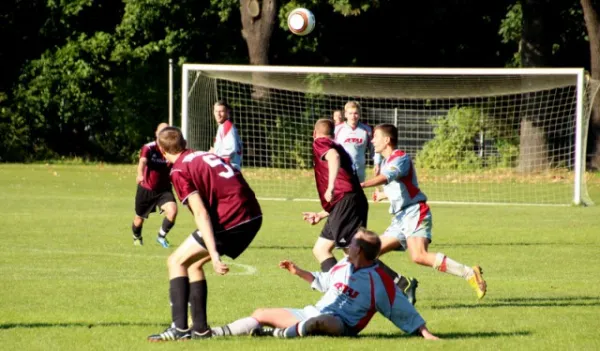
(214, 161)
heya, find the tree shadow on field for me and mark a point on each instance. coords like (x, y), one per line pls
(561, 301)
(78, 325)
(481, 334)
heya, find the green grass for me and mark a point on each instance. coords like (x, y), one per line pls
(71, 279)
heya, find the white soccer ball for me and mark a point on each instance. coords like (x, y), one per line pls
(301, 21)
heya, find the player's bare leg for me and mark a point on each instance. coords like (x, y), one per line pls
(323, 253)
(417, 247)
(136, 228)
(170, 210)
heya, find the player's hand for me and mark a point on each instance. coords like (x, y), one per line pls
(311, 217)
(328, 194)
(378, 195)
(289, 266)
(220, 267)
(139, 179)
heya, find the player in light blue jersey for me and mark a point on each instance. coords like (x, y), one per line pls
(354, 290)
(411, 222)
(355, 137)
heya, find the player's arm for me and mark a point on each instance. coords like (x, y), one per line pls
(143, 162)
(375, 181)
(398, 310)
(204, 225)
(295, 270)
(333, 163)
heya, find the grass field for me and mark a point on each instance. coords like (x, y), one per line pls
(71, 279)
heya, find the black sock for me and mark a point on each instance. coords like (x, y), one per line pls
(398, 278)
(328, 264)
(198, 298)
(179, 293)
(166, 226)
(137, 231)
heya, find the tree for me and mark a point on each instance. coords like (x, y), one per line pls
(536, 51)
(592, 23)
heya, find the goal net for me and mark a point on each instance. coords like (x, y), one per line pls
(505, 136)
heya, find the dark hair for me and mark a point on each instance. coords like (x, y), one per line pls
(370, 244)
(389, 130)
(171, 140)
(222, 103)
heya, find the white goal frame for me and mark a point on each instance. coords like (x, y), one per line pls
(579, 73)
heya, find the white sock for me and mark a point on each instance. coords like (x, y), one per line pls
(240, 327)
(448, 265)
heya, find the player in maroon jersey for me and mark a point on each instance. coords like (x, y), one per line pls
(227, 216)
(343, 201)
(153, 190)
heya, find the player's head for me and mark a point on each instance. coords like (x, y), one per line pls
(337, 117)
(221, 111)
(365, 244)
(352, 112)
(160, 127)
(323, 128)
(171, 141)
(385, 135)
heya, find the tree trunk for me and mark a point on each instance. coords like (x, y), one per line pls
(257, 31)
(535, 52)
(592, 25)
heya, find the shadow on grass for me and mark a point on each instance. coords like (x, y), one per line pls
(78, 325)
(482, 334)
(563, 301)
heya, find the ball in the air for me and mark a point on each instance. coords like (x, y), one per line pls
(301, 21)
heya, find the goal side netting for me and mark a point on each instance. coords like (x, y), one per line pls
(488, 136)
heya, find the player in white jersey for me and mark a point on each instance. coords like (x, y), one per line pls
(354, 290)
(356, 137)
(228, 144)
(411, 223)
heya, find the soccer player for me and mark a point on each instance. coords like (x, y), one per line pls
(337, 117)
(354, 290)
(355, 137)
(343, 201)
(153, 190)
(411, 223)
(227, 216)
(228, 144)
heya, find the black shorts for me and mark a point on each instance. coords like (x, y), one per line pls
(234, 241)
(146, 201)
(347, 216)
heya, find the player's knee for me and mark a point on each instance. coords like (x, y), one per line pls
(259, 315)
(174, 260)
(171, 211)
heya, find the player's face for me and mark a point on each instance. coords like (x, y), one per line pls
(221, 114)
(379, 141)
(337, 117)
(352, 116)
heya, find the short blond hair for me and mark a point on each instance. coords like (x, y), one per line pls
(352, 104)
(324, 126)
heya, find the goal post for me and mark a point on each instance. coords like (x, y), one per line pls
(476, 135)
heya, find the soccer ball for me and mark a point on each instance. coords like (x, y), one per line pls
(301, 21)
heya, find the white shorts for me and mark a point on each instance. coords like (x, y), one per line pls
(413, 221)
(305, 313)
